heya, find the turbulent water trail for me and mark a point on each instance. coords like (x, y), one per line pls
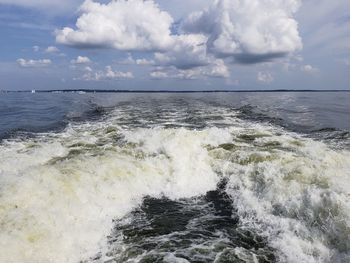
(75, 195)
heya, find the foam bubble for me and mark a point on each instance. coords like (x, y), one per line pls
(59, 198)
(61, 192)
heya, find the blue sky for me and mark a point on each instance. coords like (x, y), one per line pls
(174, 44)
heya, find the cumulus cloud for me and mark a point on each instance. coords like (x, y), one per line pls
(113, 25)
(158, 74)
(80, 60)
(309, 69)
(107, 74)
(140, 61)
(265, 77)
(144, 62)
(124, 25)
(188, 51)
(250, 31)
(188, 59)
(33, 63)
(88, 69)
(52, 49)
(217, 69)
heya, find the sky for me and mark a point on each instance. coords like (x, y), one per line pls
(175, 44)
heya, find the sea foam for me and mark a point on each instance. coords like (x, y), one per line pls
(60, 192)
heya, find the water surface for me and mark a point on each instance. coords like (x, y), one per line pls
(221, 177)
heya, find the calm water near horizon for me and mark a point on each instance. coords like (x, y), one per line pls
(175, 177)
(301, 111)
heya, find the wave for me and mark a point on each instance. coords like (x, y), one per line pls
(61, 193)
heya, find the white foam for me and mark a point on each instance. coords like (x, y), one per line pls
(60, 192)
(299, 198)
(61, 210)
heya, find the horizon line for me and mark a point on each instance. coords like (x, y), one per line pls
(167, 91)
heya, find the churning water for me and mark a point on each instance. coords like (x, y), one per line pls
(256, 177)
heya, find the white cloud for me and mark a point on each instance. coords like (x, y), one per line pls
(309, 69)
(188, 59)
(140, 61)
(36, 48)
(159, 75)
(113, 25)
(88, 69)
(51, 49)
(217, 69)
(144, 62)
(120, 24)
(80, 60)
(107, 74)
(265, 77)
(188, 51)
(33, 63)
(251, 31)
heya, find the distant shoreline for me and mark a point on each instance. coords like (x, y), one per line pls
(165, 91)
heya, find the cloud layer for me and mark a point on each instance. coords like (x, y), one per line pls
(31, 63)
(243, 31)
(107, 74)
(177, 39)
(113, 25)
(216, 69)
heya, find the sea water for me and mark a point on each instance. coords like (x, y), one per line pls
(220, 177)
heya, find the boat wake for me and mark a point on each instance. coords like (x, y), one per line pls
(116, 190)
